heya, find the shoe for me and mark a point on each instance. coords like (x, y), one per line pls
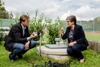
(82, 60)
(20, 56)
(11, 57)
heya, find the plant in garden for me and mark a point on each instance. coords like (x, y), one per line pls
(15, 20)
(53, 29)
(1, 30)
(37, 24)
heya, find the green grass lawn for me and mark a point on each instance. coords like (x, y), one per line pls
(93, 36)
(31, 58)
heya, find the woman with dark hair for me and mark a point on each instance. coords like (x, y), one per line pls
(77, 41)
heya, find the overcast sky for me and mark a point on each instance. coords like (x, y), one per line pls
(83, 9)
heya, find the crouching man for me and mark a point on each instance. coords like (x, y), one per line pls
(19, 40)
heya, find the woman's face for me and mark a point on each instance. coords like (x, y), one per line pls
(69, 23)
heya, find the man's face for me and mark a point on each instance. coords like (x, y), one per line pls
(25, 23)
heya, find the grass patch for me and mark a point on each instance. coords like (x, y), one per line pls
(93, 36)
(5, 62)
(31, 58)
(92, 59)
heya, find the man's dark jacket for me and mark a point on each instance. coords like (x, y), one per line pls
(16, 36)
(78, 35)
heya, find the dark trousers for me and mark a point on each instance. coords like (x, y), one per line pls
(18, 48)
(75, 50)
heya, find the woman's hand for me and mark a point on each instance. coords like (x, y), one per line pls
(62, 31)
(72, 43)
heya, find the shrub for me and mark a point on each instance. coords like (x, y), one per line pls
(37, 24)
(53, 30)
(1, 31)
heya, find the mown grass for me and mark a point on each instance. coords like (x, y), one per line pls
(91, 59)
(5, 62)
(93, 36)
(32, 58)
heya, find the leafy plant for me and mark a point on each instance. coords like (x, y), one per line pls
(15, 20)
(1, 31)
(53, 30)
(36, 23)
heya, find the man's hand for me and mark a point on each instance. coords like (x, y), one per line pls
(27, 45)
(72, 43)
(32, 36)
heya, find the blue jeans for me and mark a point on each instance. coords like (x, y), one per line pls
(19, 48)
(75, 50)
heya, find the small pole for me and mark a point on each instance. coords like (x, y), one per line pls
(40, 44)
(93, 25)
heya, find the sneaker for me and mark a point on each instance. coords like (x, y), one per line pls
(20, 56)
(11, 57)
(82, 60)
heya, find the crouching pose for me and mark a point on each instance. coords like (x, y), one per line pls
(19, 40)
(77, 41)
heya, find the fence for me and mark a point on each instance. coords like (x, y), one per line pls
(88, 26)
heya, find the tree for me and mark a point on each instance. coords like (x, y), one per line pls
(1, 30)
(97, 19)
(97, 24)
(3, 13)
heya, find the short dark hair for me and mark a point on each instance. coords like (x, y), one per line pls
(23, 18)
(72, 18)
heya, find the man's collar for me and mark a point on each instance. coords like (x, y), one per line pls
(23, 26)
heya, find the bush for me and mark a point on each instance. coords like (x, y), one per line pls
(1, 37)
(15, 20)
(39, 22)
(53, 30)
(36, 24)
(1, 31)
